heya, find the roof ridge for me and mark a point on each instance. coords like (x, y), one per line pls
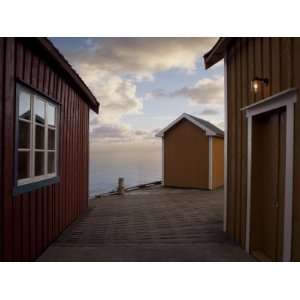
(210, 128)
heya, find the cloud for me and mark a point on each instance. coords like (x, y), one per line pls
(120, 132)
(140, 132)
(118, 96)
(156, 94)
(142, 57)
(113, 67)
(114, 131)
(221, 125)
(207, 90)
(210, 111)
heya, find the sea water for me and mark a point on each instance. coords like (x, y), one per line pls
(137, 163)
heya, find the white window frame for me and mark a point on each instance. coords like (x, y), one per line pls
(32, 150)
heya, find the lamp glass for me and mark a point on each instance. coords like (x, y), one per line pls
(255, 83)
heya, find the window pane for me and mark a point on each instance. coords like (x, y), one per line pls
(39, 163)
(51, 115)
(24, 134)
(24, 105)
(39, 137)
(51, 139)
(51, 162)
(39, 111)
(23, 165)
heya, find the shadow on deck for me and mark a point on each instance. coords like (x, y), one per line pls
(155, 224)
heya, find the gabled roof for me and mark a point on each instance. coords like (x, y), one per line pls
(55, 56)
(210, 129)
(217, 52)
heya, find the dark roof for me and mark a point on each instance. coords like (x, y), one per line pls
(217, 52)
(53, 53)
(212, 127)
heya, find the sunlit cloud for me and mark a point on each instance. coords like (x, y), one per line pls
(117, 96)
(113, 68)
(143, 57)
(210, 111)
(157, 94)
(111, 132)
(206, 90)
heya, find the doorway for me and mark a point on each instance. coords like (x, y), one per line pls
(270, 161)
(267, 188)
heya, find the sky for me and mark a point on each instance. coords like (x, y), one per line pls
(143, 84)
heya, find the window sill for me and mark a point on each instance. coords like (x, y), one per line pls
(25, 188)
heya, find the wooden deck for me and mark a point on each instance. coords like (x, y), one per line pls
(155, 224)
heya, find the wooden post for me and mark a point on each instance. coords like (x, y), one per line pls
(121, 189)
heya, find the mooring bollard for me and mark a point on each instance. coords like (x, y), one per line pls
(121, 189)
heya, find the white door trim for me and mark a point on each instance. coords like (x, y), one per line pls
(284, 99)
(210, 160)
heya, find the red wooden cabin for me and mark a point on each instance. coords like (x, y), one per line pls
(44, 153)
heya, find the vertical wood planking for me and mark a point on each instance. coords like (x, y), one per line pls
(251, 69)
(244, 102)
(18, 201)
(234, 141)
(238, 141)
(258, 65)
(61, 154)
(86, 155)
(277, 59)
(55, 217)
(229, 185)
(1, 141)
(32, 220)
(67, 157)
(25, 200)
(76, 142)
(285, 63)
(266, 65)
(34, 72)
(8, 137)
(276, 66)
(20, 61)
(63, 140)
(296, 204)
(47, 188)
(27, 65)
(81, 155)
(25, 230)
(71, 153)
(33, 198)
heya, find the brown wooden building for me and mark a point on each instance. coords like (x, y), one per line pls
(44, 153)
(262, 140)
(193, 153)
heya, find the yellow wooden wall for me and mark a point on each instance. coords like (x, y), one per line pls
(277, 59)
(186, 156)
(218, 162)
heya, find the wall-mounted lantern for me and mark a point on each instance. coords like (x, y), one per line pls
(257, 84)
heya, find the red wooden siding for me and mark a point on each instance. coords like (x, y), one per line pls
(1, 138)
(29, 222)
(277, 59)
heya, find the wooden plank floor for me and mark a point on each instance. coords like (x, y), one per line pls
(159, 224)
